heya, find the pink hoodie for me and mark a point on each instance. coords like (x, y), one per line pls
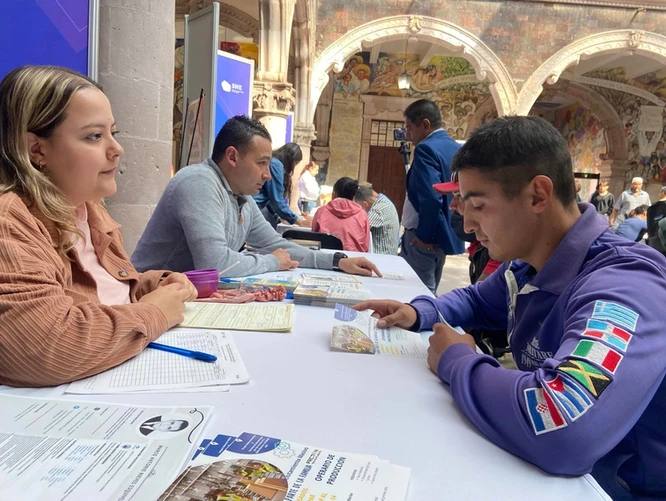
(346, 220)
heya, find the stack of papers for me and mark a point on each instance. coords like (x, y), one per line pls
(357, 332)
(264, 468)
(266, 317)
(328, 290)
(64, 449)
(155, 370)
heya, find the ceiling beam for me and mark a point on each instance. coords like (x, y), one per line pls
(432, 51)
(597, 62)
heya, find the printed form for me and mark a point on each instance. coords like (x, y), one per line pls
(155, 370)
(268, 317)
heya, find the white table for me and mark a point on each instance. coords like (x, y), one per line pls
(392, 407)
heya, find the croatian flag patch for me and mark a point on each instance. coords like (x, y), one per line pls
(543, 412)
(616, 313)
(571, 397)
(606, 331)
(599, 354)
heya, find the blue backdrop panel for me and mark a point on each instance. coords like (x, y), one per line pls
(44, 32)
(233, 88)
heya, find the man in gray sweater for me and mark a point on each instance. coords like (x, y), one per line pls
(206, 215)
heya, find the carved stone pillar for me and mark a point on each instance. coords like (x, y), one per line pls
(275, 21)
(271, 103)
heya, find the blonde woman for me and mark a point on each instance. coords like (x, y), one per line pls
(71, 303)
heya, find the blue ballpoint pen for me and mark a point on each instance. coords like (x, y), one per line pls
(197, 355)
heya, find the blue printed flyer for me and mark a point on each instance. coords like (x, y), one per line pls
(256, 467)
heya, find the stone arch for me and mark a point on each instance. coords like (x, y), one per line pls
(485, 62)
(646, 43)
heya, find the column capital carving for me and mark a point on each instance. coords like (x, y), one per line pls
(304, 134)
(275, 98)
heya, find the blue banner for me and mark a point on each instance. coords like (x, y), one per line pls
(44, 32)
(233, 88)
(289, 136)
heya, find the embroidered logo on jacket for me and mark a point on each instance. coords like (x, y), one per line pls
(618, 338)
(532, 356)
(616, 313)
(597, 353)
(544, 414)
(569, 396)
(592, 379)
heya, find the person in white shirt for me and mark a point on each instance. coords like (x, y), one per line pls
(309, 188)
(628, 201)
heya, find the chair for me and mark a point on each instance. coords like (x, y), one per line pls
(326, 241)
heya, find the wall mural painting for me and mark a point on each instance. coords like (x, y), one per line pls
(449, 81)
(585, 137)
(648, 163)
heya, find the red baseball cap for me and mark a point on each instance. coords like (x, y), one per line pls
(450, 187)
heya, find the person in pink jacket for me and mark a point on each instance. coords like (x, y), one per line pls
(344, 218)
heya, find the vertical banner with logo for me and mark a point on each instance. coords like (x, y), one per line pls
(289, 136)
(233, 88)
(62, 33)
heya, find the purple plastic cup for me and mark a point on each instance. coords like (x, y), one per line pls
(205, 281)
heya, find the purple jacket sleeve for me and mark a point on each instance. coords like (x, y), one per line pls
(482, 305)
(500, 402)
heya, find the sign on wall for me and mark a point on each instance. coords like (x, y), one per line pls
(233, 87)
(61, 33)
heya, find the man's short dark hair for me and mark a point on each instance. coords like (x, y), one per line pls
(422, 109)
(641, 209)
(238, 131)
(513, 150)
(345, 187)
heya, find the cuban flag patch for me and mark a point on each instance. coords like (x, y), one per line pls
(543, 412)
(606, 331)
(616, 313)
(570, 397)
(599, 354)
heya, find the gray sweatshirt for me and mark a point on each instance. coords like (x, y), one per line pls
(200, 223)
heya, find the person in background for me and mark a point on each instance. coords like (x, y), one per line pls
(308, 188)
(273, 198)
(383, 219)
(428, 236)
(655, 213)
(603, 200)
(635, 226)
(579, 186)
(206, 215)
(344, 218)
(589, 393)
(628, 201)
(71, 303)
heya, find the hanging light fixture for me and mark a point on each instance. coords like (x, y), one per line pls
(404, 80)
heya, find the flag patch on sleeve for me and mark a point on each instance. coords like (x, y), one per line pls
(606, 331)
(593, 380)
(599, 354)
(543, 412)
(570, 397)
(616, 313)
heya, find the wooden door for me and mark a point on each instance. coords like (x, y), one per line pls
(386, 173)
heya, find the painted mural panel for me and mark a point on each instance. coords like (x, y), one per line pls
(448, 81)
(585, 137)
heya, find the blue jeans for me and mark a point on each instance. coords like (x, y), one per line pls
(427, 264)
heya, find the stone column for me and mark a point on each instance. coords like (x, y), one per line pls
(273, 96)
(136, 61)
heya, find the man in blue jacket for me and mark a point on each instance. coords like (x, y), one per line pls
(588, 394)
(428, 236)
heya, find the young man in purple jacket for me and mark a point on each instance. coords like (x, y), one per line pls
(583, 309)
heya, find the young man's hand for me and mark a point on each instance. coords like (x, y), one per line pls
(391, 313)
(358, 266)
(444, 336)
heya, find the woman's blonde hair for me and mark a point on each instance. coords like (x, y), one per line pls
(35, 99)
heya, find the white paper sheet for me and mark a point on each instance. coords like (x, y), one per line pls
(269, 317)
(156, 370)
(64, 449)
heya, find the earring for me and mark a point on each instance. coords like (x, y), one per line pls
(41, 165)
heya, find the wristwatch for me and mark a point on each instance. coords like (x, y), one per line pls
(336, 259)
